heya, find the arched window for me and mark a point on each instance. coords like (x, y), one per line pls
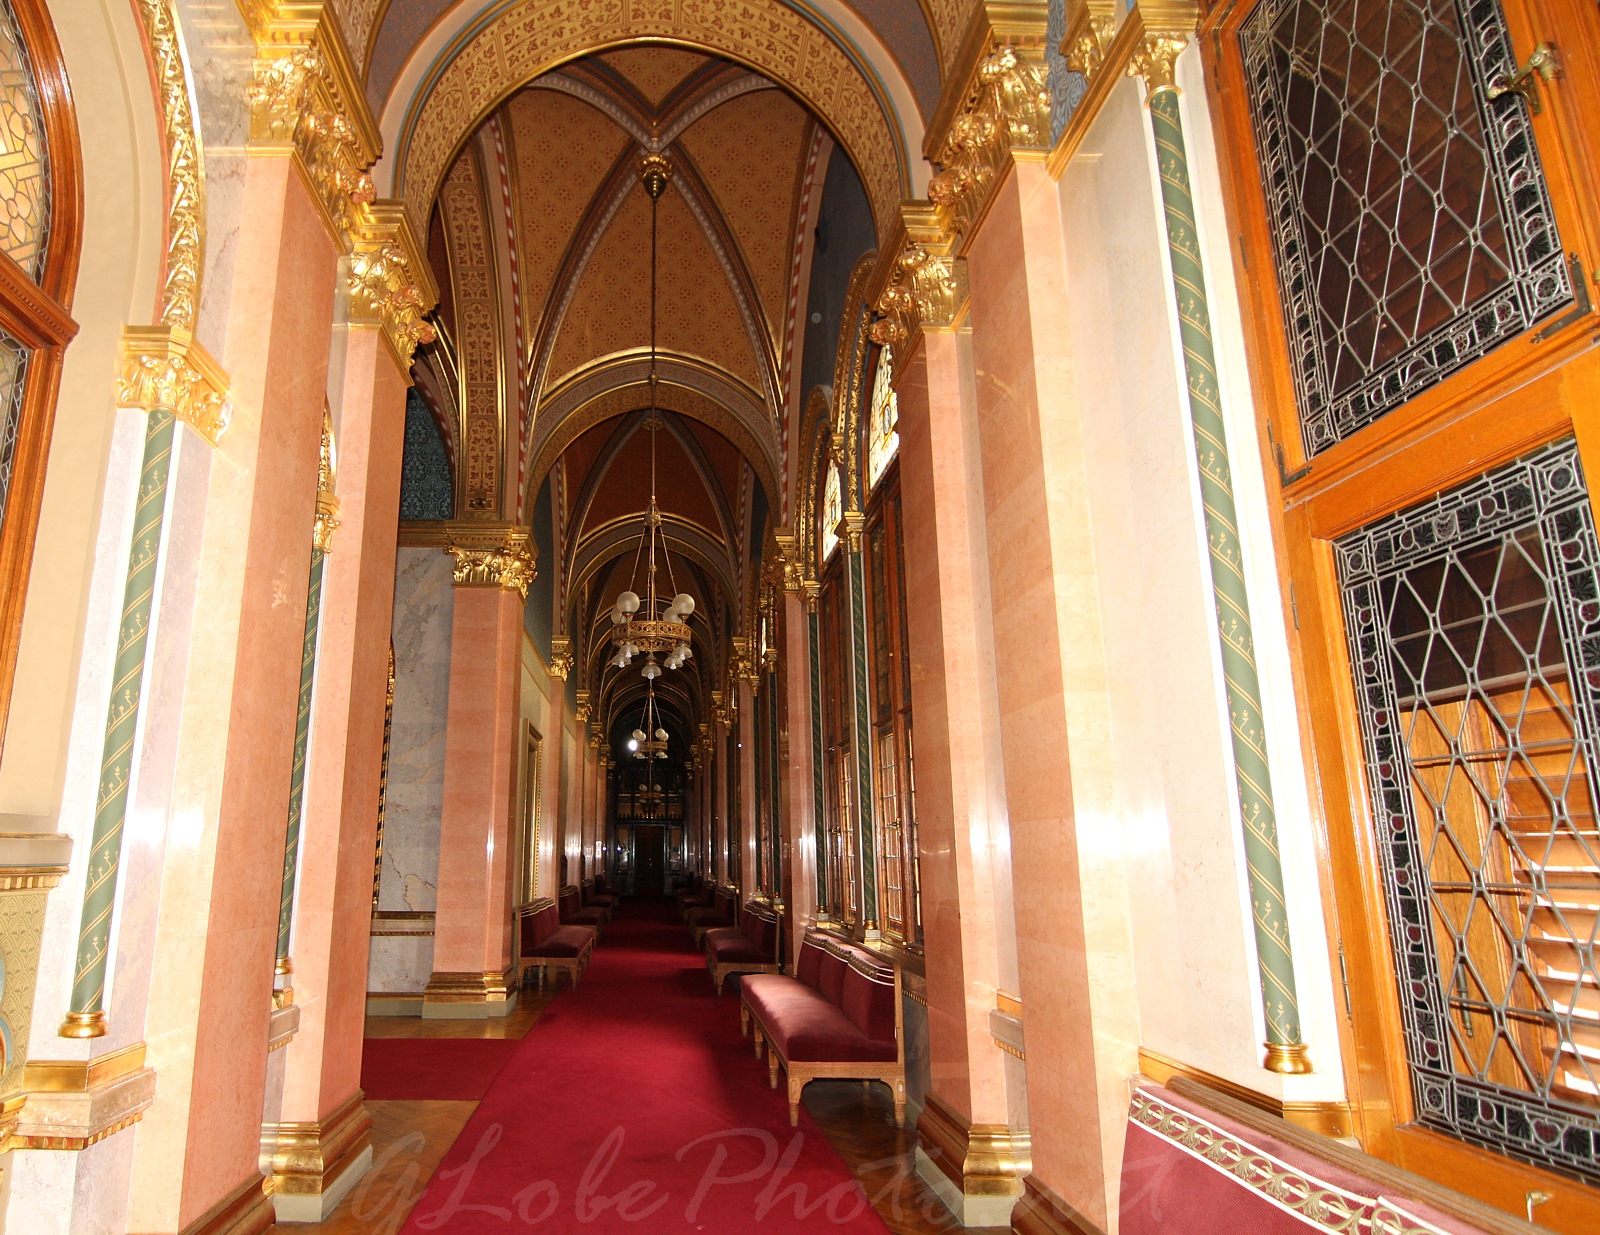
(832, 511)
(40, 214)
(883, 422)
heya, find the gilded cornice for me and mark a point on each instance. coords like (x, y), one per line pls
(165, 367)
(492, 555)
(306, 101)
(389, 279)
(1002, 108)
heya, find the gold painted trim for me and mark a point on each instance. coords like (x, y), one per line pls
(1008, 1003)
(26, 878)
(186, 221)
(446, 986)
(1328, 1118)
(72, 1144)
(980, 1159)
(81, 1075)
(1008, 1048)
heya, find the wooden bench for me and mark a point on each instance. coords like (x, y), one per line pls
(695, 894)
(750, 947)
(594, 894)
(547, 944)
(839, 1016)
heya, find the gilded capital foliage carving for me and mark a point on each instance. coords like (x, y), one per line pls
(1091, 24)
(327, 518)
(164, 367)
(1006, 108)
(388, 277)
(560, 656)
(495, 555)
(1167, 25)
(926, 285)
(306, 99)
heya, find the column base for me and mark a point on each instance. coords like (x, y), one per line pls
(1042, 1212)
(975, 1169)
(468, 996)
(310, 1165)
(245, 1211)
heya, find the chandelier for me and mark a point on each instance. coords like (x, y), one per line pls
(649, 741)
(641, 625)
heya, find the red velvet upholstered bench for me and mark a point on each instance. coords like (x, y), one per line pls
(546, 944)
(750, 947)
(695, 895)
(575, 913)
(723, 911)
(595, 896)
(838, 1017)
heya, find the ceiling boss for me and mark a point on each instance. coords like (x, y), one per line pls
(636, 626)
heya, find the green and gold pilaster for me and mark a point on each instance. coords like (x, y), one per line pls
(321, 542)
(819, 803)
(1165, 36)
(861, 720)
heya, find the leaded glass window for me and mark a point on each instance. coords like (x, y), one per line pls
(1474, 629)
(832, 512)
(883, 422)
(24, 159)
(1411, 225)
(13, 371)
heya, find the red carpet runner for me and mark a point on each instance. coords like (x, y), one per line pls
(433, 1068)
(633, 1105)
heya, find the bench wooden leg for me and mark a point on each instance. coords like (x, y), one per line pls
(796, 1084)
(772, 1068)
(760, 1039)
(744, 1020)
(899, 1087)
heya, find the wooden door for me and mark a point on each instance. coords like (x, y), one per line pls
(649, 858)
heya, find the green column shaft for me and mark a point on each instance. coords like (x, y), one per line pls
(1274, 957)
(819, 804)
(297, 771)
(774, 786)
(861, 709)
(85, 1017)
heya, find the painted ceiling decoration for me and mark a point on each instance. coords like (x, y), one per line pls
(522, 157)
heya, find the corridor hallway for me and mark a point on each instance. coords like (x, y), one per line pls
(631, 1104)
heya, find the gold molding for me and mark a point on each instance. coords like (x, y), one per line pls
(327, 516)
(924, 284)
(186, 231)
(1114, 61)
(303, 1158)
(1008, 1004)
(492, 555)
(166, 367)
(389, 279)
(1091, 25)
(1328, 1118)
(28, 878)
(81, 1075)
(447, 986)
(980, 1159)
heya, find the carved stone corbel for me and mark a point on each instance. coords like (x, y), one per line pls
(926, 285)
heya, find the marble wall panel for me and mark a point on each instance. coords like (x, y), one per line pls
(423, 611)
(400, 964)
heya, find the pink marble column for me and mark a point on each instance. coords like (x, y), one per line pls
(333, 910)
(472, 924)
(1074, 947)
(207, 1031)
(965, 867)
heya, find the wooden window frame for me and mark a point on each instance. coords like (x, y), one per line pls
(1523, 395)
(39, 315)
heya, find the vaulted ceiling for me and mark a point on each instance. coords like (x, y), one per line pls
(541, 240)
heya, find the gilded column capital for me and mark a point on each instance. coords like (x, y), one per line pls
(1003, 109)
(851, 524)
(306, 101)
(560, 656)
(723, 709)
(923, 282)
(582, 709)
(1167, 25)
(388, 277)
(491, 555)
(793, 567)
(165, 367)
(1091, 25)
